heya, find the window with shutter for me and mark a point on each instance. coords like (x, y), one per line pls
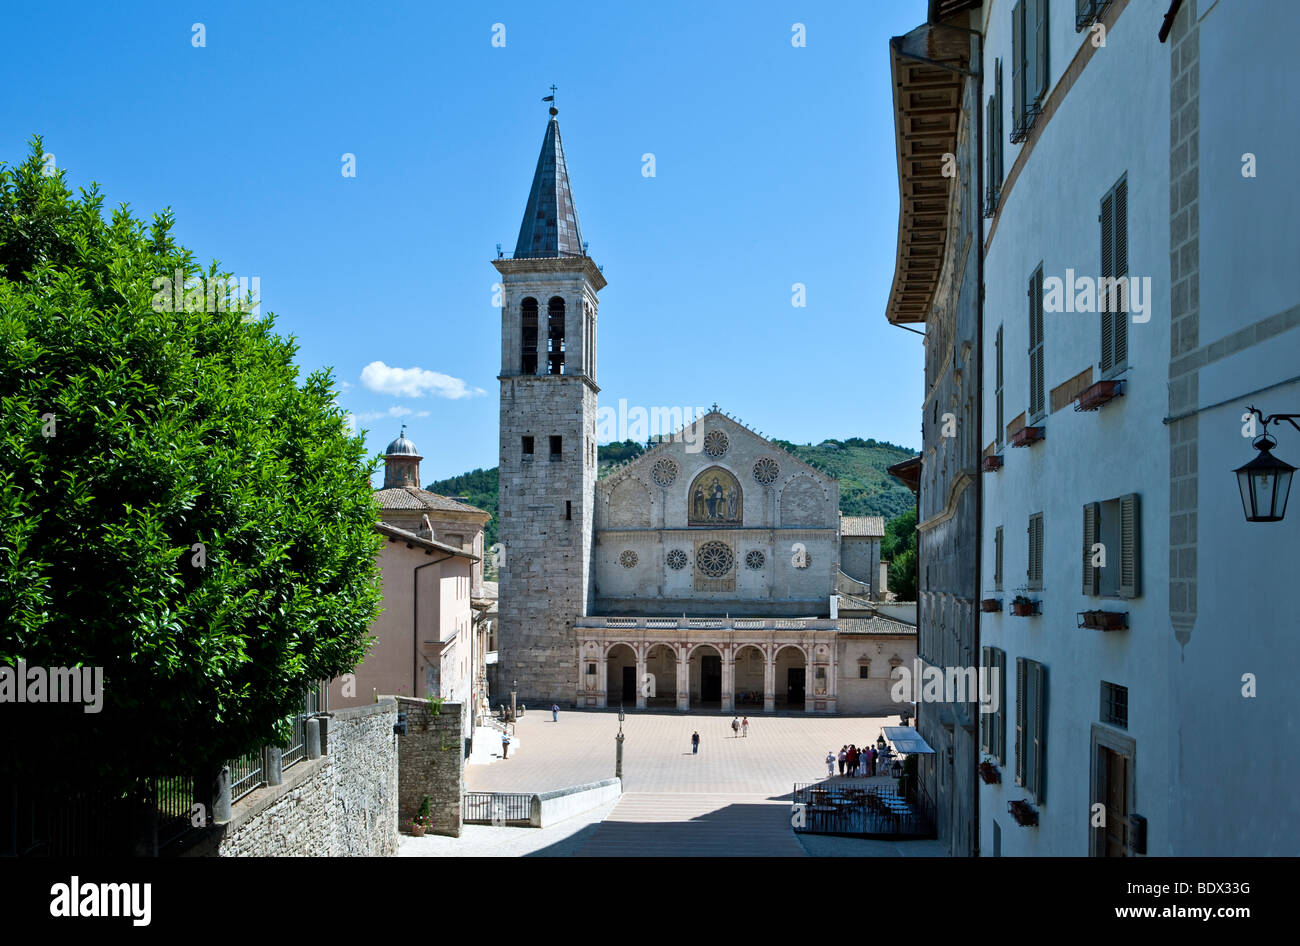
(1035, 571)
(1113, 300)
(1130, 522)
(1039, 705)
(1018, 71)
(1020, 720)
(997, 72)
(1001, 730)
(1091, 527)
(997, 346)
(986, 719)
(997, 559)
(1038, 89)
(1036, 398)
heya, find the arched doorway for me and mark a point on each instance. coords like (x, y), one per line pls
(661, 665)
(620, 677)
(706, 677)
(791, 682)
(749, 678)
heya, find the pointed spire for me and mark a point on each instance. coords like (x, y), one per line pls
(550, 227)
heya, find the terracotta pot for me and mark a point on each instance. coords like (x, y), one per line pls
(417, 830)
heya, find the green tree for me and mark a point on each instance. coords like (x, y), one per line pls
(898, 547)
(175, 507)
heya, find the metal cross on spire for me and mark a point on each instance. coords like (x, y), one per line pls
(551, 98)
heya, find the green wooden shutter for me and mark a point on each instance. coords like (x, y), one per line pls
(998, 119)
(1130, 528)
(997, 559)
(986, 722)
(1036, 344)
(1035, 571)
(1002, 707)
(1040, 733)
(1091, 575)
(1107, 270)
(1082, 10)
(1020, 720)
(997, 348)
(1119, 233)
(1018, 65)
(1038, 90)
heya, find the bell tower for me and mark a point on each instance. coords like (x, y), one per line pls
(548, 437)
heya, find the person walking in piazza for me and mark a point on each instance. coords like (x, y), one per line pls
(555, 712)
(852, 759)
(843, 757)
(695, 742)
(735, 727)
(830, 764)
(871, 760)
(744, 727)
(505, 746)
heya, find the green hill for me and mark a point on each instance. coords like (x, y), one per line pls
(865, 488)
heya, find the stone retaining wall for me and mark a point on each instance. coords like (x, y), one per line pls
(431, 761)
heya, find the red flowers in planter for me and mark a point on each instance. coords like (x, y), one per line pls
(1025, 816)
(991, 464)
(1023, 607)
(991, 605)
(989, 773)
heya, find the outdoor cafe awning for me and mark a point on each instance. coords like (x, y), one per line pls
(906, 740)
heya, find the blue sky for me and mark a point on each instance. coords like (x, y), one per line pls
(775, 165)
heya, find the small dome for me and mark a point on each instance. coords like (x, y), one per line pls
(401, 447)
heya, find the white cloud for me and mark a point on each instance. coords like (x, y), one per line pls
(414, 382)
(395, 411)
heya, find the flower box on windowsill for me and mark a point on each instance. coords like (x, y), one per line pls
(1025, 816)
(1027, 435)
(989, 773)
(991, 605)
(1104, 620)
(1024, 607)
(1100, 393)
(992, 464)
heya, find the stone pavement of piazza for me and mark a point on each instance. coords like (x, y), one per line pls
(732, 799)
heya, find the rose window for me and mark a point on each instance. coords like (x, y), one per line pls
(628, 559)
(755, 559)
(677, 560)
(664, 471)
(766, 471)
(715, 559)
(715, 443)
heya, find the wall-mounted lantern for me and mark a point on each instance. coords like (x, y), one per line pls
(1265, 482)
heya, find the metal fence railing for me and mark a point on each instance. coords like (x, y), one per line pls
(875, 811)
(247, 774)
(497, 808)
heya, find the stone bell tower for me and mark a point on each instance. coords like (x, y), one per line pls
(548, 438)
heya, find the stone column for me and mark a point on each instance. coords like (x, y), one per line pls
(769, 680)
(809, 682)
(728, 678)
(640, 679)
(602, 682)
(683, 678)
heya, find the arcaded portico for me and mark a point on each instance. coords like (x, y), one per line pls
(701, 663)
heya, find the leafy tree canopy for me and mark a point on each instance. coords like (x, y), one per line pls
(175, 507)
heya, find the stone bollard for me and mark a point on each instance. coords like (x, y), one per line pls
(324, 734)
(221, 798)
(313, 739)
(274, 765)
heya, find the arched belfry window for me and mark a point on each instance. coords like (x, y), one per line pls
(555, 335)
(528, 310)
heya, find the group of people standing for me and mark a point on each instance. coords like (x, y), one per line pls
(855, 761)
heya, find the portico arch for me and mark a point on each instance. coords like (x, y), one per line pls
(750, 675)
(791, 678)
(661, 665)
(705, 675)
(621, 675)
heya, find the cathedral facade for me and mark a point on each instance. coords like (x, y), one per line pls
(703, 574)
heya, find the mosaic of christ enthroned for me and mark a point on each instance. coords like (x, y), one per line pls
(714, 499)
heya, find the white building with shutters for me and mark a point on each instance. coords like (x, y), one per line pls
(1150, 669)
